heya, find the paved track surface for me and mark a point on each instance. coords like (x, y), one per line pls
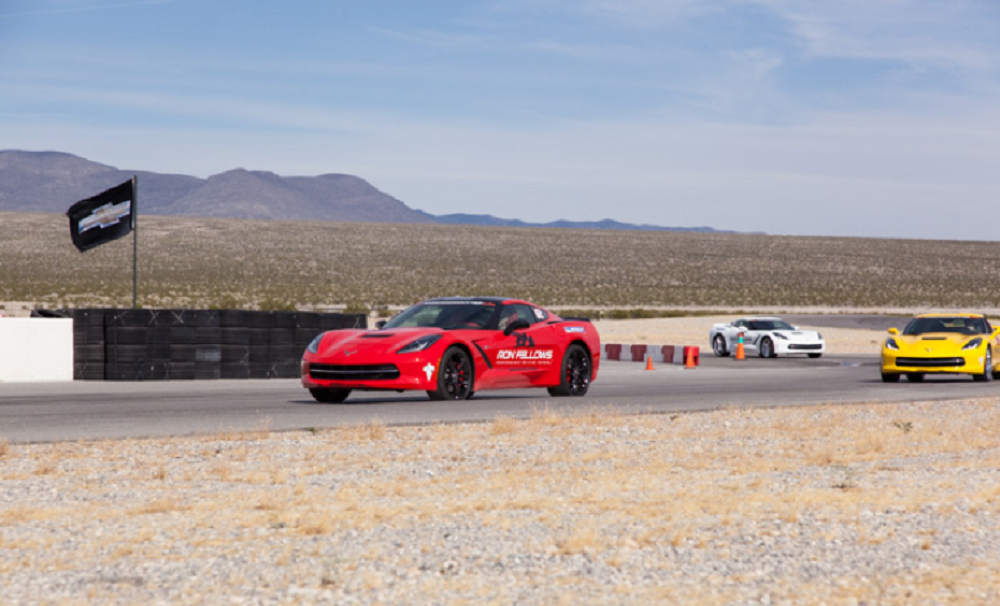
(867, 322)
(95, 410)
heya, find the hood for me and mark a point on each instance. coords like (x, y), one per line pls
(337, 344)
(936, 342)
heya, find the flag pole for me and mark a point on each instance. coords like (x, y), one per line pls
(135, 239)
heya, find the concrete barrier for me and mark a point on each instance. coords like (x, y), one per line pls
(36, 349)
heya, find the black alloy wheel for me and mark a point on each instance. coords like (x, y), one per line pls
(574, 373)
(455, 376)
(329, 395)
(719, 347)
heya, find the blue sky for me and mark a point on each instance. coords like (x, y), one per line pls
(845, 118)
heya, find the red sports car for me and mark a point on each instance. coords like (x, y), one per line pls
(452, 347)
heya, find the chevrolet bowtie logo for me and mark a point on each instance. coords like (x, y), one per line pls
(348, 353)
(106, 216)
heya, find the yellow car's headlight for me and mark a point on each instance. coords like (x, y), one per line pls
(973, 343)
(890, 343)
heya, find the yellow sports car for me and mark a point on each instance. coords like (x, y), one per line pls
(942, 343)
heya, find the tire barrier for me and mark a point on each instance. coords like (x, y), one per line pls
(687, 355)
(186, 344)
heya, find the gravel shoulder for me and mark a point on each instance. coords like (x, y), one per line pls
(856, 504)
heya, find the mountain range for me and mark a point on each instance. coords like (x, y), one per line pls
(52, 181)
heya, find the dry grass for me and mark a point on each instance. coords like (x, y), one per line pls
(620, 491)
(197, 263)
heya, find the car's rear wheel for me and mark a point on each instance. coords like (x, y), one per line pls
(719, 347)
(915, 377)
(890, 378)
(766, 348)
(987, 368)
(329, 395)
(455, 376)
(574, 374)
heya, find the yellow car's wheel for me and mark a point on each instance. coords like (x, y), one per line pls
(890, 378)
(987, 368)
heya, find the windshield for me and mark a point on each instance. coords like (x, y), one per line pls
(449, 315)
(963, 326)
(770, 325)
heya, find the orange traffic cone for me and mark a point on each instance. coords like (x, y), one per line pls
(739, 350)
(689, 358)
(649, 363)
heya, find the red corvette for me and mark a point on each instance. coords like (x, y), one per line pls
(452, 347)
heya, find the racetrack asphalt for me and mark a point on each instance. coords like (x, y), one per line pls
(79, 410)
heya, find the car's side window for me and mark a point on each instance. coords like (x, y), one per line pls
(513, 312)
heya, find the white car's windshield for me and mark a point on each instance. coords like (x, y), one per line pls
(770, 325)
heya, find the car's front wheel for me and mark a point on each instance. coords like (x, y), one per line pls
(890, 378)
(329, 395)
(574, 374)
(987, 368)
(766, 348)
(455, 376)
(719, 347)
(815, 355)
(915, 377)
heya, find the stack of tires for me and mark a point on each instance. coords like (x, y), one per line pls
(88, 344)
(184, 344)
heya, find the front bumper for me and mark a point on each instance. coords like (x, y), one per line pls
(786, 348)
(406, 372)
(968, 363)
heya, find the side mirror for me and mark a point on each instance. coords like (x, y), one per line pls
(996, 331)
(893, 331)
(380, 324)
(515, 325)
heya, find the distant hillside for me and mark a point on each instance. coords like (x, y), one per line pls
(463, 219)
(52, 181)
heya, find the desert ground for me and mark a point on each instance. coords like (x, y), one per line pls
(840, 505)
(852, 504)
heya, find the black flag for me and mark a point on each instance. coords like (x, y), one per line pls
(103, 218)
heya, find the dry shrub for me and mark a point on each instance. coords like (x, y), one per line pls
(164, 505)
(546, 417)
(503, 425)
(582, 539)
(375, 430)
(4, 447)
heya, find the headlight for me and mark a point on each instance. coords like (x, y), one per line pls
(780, 336)
(973, 343)
(819, 336)
(420, 344)
(314, 344)
(890, 343)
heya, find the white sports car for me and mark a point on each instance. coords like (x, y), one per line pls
(766, 337)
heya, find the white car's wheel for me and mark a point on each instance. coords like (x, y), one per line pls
(766, 348)
(719, 346)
